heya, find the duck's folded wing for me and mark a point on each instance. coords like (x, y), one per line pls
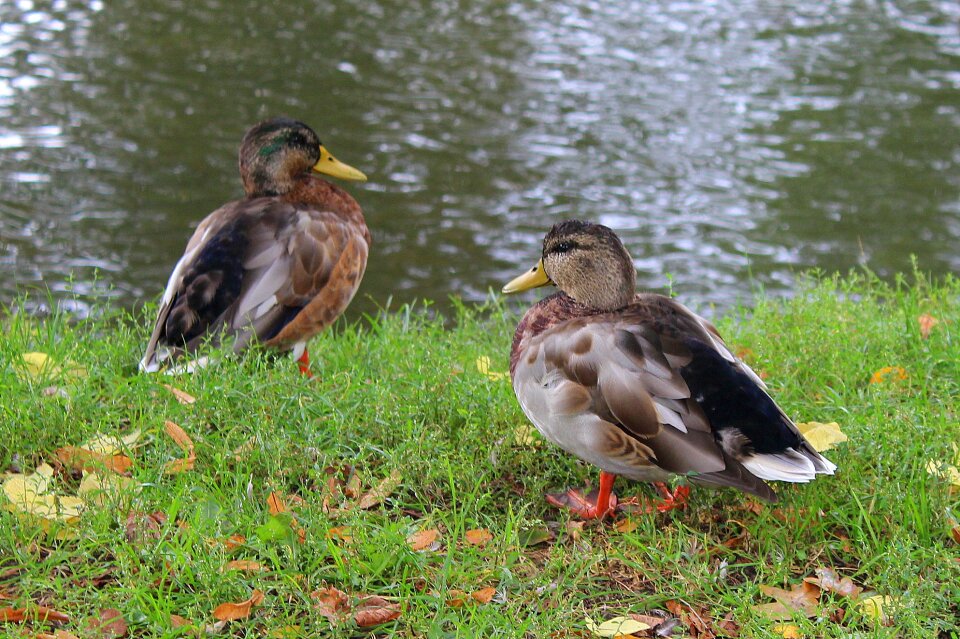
(251, 272)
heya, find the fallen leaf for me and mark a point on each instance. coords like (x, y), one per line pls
(229, 544)
(424, 539)
(534, 536)
(478, 537)
(142, 527)
(483, 365)
(926, 322)
(102, 490)
(330, 602)
(456, 598)
(803, 598)
(889, 374)
(616, 627)
(827, 579)
(41, 365)
(182, 397)
(109, 625)
(787, 630)
(180, 622)
(625, 525)
(875, 608)
(57, 634)
(954, 527)
(177, 466)
(33, 613)
(341, 532)
(276, 503)
(484, 595)
(381, 492)
(112, 444)
(179, 436)
(527, 435)
(946, 470)
(822, 436)
(373, 611)
(83, 459)
(31, 494)
(574, 528)
(244, 565)
(232, 611)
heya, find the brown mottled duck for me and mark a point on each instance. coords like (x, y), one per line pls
(638, 385)
(276, 267)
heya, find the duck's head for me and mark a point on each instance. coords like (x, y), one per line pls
(276, 153)
(587, 262)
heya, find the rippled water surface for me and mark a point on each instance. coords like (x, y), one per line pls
(732, 143)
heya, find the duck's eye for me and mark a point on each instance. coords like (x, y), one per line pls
(563, 247)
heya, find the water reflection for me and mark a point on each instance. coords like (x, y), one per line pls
(732, 143)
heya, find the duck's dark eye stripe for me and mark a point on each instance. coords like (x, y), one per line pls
(563, 247)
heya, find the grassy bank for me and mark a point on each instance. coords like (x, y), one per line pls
(400, 419)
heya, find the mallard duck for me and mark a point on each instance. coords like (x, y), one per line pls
(276, 267)
(640, 386)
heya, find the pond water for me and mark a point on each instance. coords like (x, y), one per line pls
(732, 143)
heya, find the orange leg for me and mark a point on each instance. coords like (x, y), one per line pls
(671, 500)
(596, 505)
(304, 363)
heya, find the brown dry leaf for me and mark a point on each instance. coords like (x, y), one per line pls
(33, 613)
(331, 602)
(625, 525)
(889, 374)
(141, 526)
(232, 611)
(110, 624)
(177, 466)
(804, 598)
(484, 595)
(696, 621)
(926, 322)
(341, 532)
(373, 611)
(182, 397)
(57, 634)
(478, 537)
(574, 529)
(456, 598)
(276, 503)
(82, 459)
(828, 579)
(241, 451)
(424, 539)
(244, 565)
(179, 622)
(229, 544)
(179, 436)
(381, 492)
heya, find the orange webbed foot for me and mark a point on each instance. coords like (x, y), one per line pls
(596, 505)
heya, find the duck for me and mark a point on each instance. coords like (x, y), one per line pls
(274, 268)
(639, 386)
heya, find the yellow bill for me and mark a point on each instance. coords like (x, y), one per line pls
(329, 165)
(531, 279)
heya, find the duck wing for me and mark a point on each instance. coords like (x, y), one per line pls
(262, 268)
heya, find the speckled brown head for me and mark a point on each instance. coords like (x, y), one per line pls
(277, 153)
(586, 261)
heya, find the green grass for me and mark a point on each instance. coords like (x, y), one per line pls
(401, 392)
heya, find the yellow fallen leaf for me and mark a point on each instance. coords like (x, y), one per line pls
(41, 365)
(526, 435)
(946, 470)
(616, 627)
(787, 631)
(483, 365)
(889, 374)
(111, 444)
(822, 436)
(31, 494)
(874, 608)
(105, 489)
